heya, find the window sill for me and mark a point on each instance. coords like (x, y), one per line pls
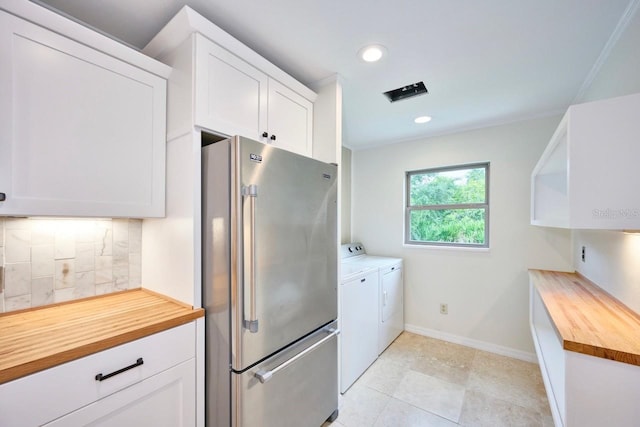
(446, 248)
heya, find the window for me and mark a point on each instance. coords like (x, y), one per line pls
(448, 206)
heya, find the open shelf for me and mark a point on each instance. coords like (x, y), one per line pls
(585, 177)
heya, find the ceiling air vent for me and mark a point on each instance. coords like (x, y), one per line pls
(405, 92)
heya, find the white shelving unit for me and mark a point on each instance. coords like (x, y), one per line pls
(586, 176)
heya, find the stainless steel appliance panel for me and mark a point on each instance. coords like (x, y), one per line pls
(302, 393)
(216, 289)
(286, 213)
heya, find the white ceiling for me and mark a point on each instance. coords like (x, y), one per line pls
(484, 62)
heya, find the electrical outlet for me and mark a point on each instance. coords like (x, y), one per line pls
(582, 256)
(444, 308)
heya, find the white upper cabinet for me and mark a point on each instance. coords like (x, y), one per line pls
(231, 95)
(223, 87)
(82, 133)
(290, 118)
(587, 175)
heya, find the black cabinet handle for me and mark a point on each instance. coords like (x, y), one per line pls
(363, 280)
(264, 134)
(101, 377)
(3, 197)
(273, 137)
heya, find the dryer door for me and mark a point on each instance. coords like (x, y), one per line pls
(392, 294)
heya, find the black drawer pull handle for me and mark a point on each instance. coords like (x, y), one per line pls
(101, 377)
(362, 280)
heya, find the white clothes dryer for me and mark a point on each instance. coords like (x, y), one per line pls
(390, 290)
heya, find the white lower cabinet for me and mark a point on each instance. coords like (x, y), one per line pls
(160, 391)
(159, 401)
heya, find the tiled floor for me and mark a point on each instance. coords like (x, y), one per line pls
(421, 381)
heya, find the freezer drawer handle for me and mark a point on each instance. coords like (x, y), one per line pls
(265, 376)
(251, 323)
(101, 377)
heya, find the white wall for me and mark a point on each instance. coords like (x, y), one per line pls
(612, 257)
(486, 290)
(345, 211)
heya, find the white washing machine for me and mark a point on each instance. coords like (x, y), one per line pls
(358, 320)
(390, 290)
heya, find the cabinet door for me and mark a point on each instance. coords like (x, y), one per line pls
(81, 133)
(231, 95)
(163, 400)
(290, 119)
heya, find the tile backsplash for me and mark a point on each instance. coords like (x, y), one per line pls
(45, 261)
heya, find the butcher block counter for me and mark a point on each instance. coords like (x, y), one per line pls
(36, 339)
(587, 319)
(588, 347)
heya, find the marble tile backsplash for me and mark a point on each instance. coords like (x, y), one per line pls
(45, 261)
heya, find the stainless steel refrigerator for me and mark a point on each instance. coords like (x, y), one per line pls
(269, 286)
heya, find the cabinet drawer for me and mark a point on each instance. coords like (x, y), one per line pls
(65, 388)
(164, 400)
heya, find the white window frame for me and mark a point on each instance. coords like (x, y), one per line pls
(408, 208)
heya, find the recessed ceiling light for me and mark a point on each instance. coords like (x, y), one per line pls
(422, 119)
(372, 53)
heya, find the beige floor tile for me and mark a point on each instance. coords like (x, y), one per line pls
(361, 406)
(384, 375)
(508, 379)
(447, 361)
(506, 367)
(431, 394)
(401, 354)
(481, 410)
(547, 421)
(436, 383)
(409, 339)
(400, 414)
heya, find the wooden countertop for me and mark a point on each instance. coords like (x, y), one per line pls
(40, 338)
(587, 319)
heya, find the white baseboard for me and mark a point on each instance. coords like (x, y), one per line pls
(480, 345)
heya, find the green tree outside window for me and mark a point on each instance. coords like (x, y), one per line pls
(448, 206)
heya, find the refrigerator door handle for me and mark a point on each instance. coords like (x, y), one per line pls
(250, 192)
(264, 376)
